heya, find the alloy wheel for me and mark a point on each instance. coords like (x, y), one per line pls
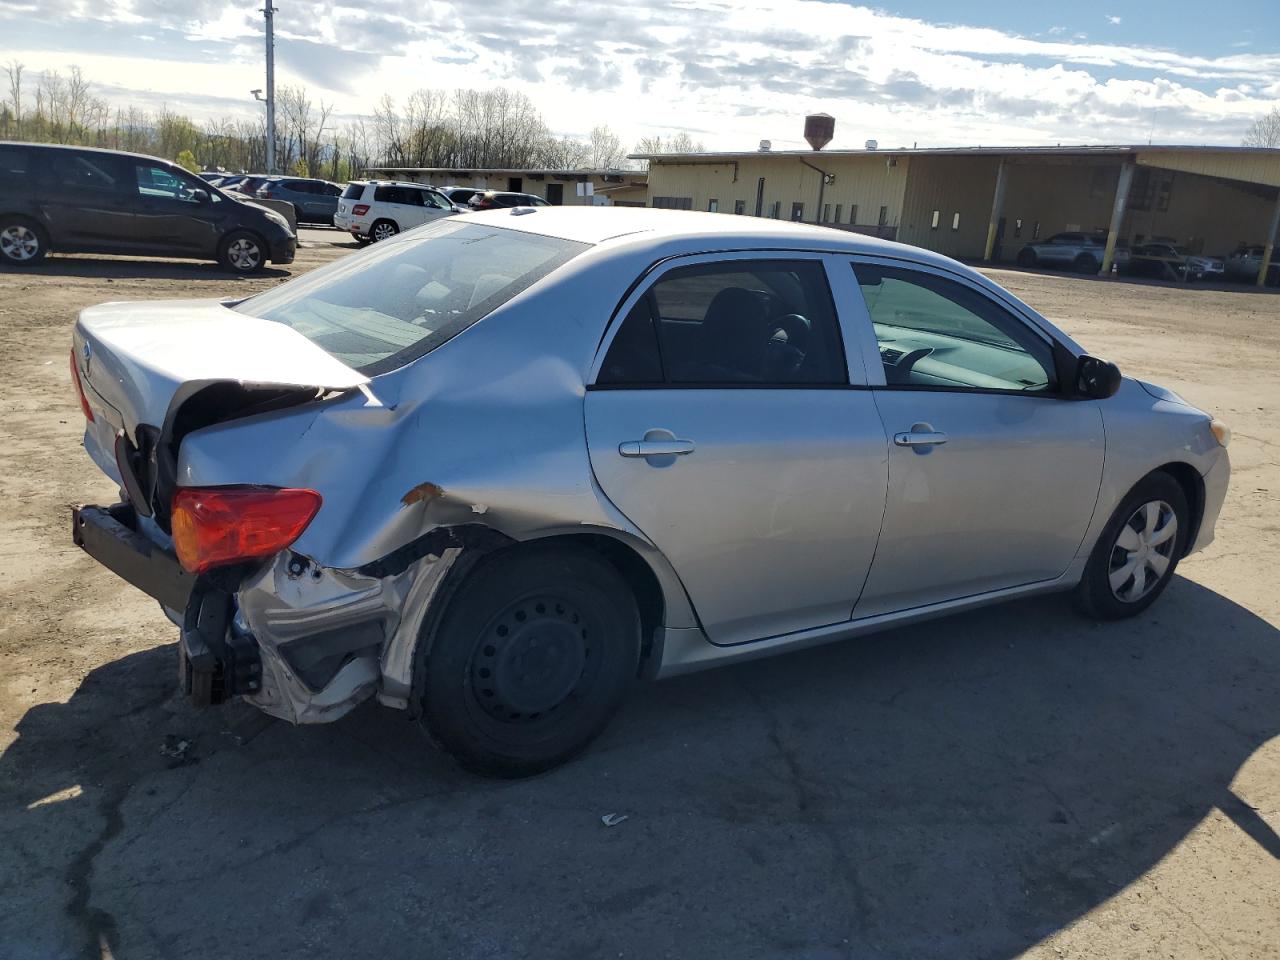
(19, 242)
(244, 254)
(384, 231)
(1143, 551)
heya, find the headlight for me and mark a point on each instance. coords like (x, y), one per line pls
(277, 219)
(1220, 431)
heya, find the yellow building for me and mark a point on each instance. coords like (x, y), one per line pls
(559, 187)
(988, 202)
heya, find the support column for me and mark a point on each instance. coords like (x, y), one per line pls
(1270, 247)
(997, 207)
(1117, 215)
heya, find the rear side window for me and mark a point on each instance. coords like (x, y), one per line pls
(403, 195)
(354, 191)
(746, 323)
(15, 164)
(404, 298)
(91, 172)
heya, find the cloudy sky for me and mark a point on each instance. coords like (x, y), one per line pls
(731, 72)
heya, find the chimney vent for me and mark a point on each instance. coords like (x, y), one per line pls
(766, 146)
(873, 144)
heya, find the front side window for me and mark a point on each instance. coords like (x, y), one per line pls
(163, 184)
(380, 310)
(435, 200)
(935, 332)
(740, 323)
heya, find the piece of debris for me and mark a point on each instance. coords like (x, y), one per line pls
(177, 748)
(422, 493)
(613, 819)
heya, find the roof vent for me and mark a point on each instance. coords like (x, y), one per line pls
(819, 128)
(766, 146)
(873, 144)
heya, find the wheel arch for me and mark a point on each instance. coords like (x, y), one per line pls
(1192, 484)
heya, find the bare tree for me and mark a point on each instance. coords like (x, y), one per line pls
(605, 148)
(1265, 131)
(14, 70)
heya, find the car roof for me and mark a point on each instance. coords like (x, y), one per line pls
(71, 147)
(399, 183)
(599, 225)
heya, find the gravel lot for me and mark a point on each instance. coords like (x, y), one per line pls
(1012, 781)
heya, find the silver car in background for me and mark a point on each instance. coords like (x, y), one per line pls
(492, 471)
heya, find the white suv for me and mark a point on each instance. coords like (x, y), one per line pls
(377, 209)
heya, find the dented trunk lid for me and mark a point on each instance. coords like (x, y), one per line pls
(140, 362)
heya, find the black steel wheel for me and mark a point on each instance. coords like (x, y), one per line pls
(530, 660)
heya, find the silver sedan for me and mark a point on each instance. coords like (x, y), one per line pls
(494, 470)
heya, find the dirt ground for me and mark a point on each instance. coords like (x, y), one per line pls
(1013, 781)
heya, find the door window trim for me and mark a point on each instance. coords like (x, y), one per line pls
(840, 279)
(864, 330)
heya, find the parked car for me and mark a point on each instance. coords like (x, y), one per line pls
(379, 209)
(1170, 261)
(212, 176)
(81, 200)
(494, 199)
(460, 196)
(492, 470)
(315, 200)
(1082, 252)
(1245, 262)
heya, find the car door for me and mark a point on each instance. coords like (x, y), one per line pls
(722, 422)
(434, 206)
(89, 200)
(175, 214)
(993, 472)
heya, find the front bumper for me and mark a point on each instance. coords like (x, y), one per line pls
(214, 663)
(1215, 493)
(283, 251)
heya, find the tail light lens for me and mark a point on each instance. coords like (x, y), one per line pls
(360, 209)
(75, 378)
(214, 526)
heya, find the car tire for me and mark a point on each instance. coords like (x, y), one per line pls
(383, 230)
(1027, 258)
(530, 660)
(362, 239)
(23, 242)
(1131, 564)
(1086, 263)
(242, 252)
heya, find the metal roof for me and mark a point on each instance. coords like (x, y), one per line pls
(1058, 150)
(527, 171)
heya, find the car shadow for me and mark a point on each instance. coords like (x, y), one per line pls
(963, 788)
(129, 268)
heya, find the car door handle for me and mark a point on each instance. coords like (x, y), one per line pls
(655, 448)
(930, 438)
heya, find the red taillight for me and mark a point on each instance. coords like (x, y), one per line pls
(213, 526)
(360, 209)
(75, 378)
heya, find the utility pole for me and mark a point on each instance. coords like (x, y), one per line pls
(268, 12)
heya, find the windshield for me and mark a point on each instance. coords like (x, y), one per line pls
(404, 298)
(353, 191)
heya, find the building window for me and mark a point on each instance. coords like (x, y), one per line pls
(797, 211)
(1017, 227)
(673, 203)
(853, 214)
(826, 213)
(839, 209)
(884, 217)
(713, 206)
(933, 224)
(955, 220)
(739, 207)
(775, 210)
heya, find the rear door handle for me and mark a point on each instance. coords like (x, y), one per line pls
(655, 448)
(931, 438)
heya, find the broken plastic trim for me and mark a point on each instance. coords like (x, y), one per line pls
(466, 536)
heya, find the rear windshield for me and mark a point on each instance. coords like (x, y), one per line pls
(353, 191)
(378, 310)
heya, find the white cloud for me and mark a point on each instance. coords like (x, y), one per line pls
(1113, 20)
(735, 71)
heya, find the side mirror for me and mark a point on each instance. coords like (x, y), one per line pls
(1096, 379)
(200, 196)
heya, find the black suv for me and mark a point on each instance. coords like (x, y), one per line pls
(81, 200)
